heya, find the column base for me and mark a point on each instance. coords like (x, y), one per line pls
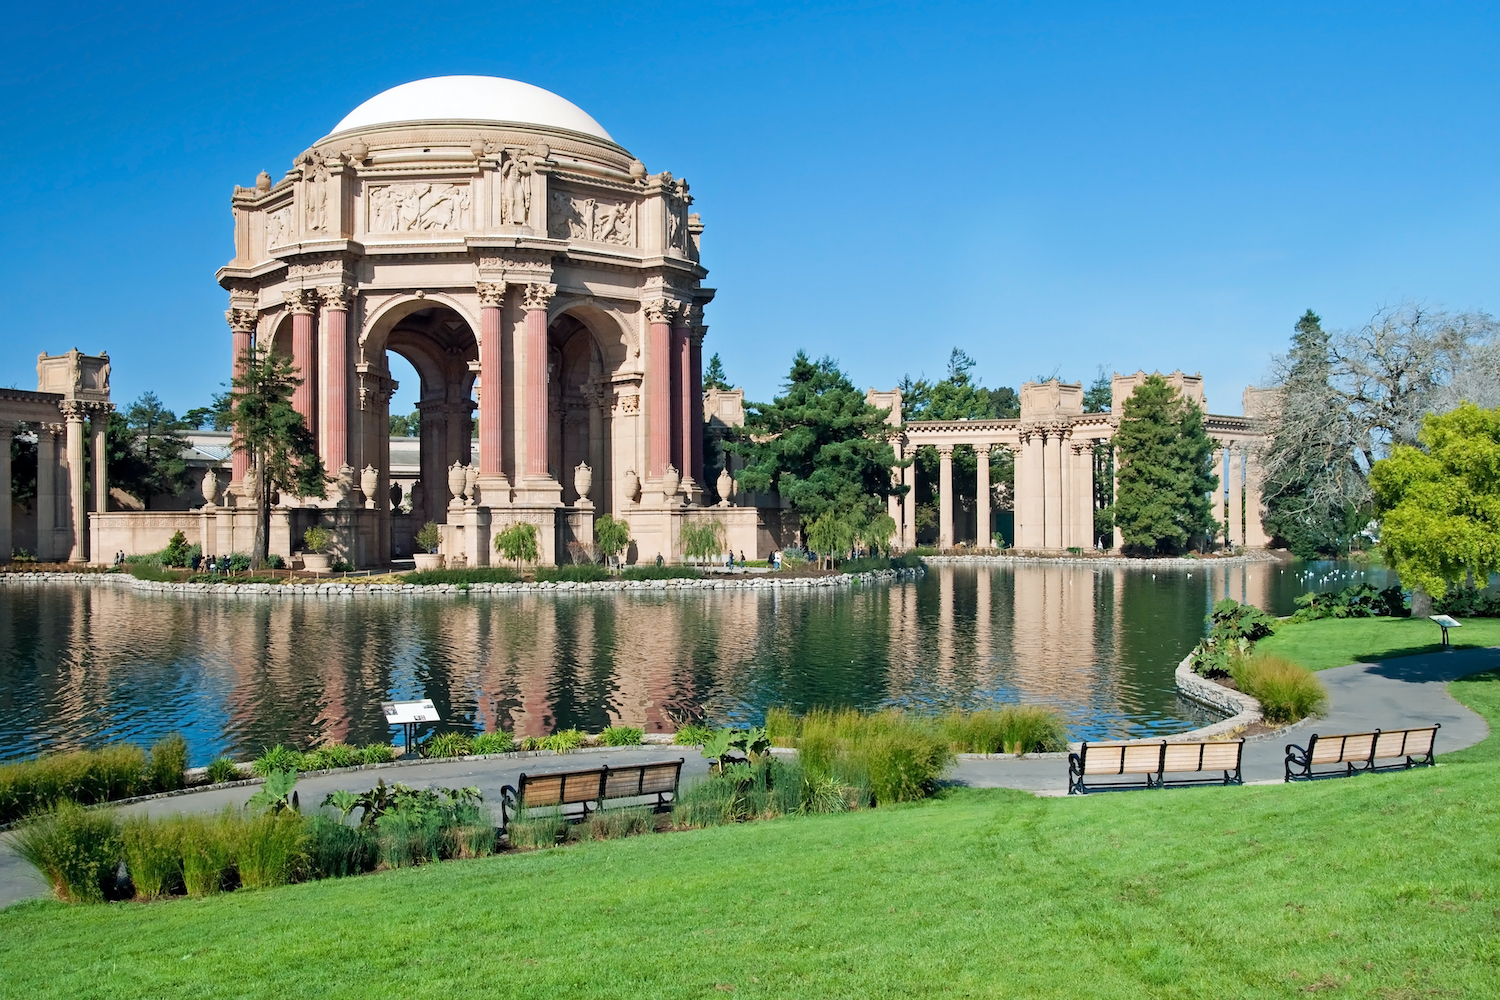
(535, 491)
(494, 490)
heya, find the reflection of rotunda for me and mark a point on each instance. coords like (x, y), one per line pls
(495, 236)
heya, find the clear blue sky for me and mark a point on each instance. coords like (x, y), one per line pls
(1049, 186)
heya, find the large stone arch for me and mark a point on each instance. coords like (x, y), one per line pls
(587, 347)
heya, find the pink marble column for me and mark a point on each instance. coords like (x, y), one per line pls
(659, 387)
(682, 377)
(336, 362)
(491, 304)
(693, 411)
(537, 298)
(302, 302)
(242, 324)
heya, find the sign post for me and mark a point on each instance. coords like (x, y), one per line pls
(409, 715)
(1446, 622)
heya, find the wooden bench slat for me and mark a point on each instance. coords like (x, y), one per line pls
(593, 787)
(1155, 760)
(1361, 752)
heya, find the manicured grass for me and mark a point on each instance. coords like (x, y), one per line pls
(1237, 892)
(1335, 642)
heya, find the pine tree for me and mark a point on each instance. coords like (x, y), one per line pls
(713, 377)
(1166, 472)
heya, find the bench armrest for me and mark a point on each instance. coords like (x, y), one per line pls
(1299, 760)
(509, 799)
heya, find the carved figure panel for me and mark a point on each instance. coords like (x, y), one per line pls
(279, 226)
(419, 207)
(591, 220)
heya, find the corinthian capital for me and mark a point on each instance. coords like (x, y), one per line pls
(301, 301)
(538, 296)
(491, 293)
(660, 310)
(336, 296)
(74, 410)
(240, 320)
(689, 313)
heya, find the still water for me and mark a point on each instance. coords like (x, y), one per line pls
(83, 666)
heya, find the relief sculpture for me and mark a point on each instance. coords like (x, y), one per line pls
(515, 195)
(421, 207)
(591, 220)
(279, 226)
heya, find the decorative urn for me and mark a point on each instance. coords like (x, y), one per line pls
(583, 480)
(250, 487)
(210, 486)
(632, 485)
(670, 480)
(471, 478)
(726, 487)
(456, 479)
(369, 481)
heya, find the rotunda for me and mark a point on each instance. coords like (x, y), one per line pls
(538, 278)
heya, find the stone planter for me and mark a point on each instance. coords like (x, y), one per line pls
(428, 560)
(317, 562)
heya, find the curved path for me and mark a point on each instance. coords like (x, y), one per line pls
(1410, 691)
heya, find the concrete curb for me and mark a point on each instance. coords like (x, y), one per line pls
(341, 589)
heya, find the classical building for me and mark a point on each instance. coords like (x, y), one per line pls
(538, 278)
(1055, 444)
(72, 389)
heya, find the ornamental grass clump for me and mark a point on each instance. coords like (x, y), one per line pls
(153, 856)
(692, 735)
(277, 758)
(1012, 729)
(622, 736)
(207, 851)
(77, 850)
(329, 756)
(268, 850)
(899, 757)
(223, 769)
(82, 776)
(334, 849)
(487, 743)
(529, 832)
(1286, 691)
(166, 766)
(449, 744)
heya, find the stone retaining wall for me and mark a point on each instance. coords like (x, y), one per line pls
(1108, 562)
(346, 589)
(1242, 709)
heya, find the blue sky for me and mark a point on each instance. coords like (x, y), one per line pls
(1052, 187)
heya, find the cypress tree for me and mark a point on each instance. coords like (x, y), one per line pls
(1166, 472)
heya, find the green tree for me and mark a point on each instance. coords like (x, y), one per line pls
(820, 446)
(1315, 491)
(407, 426)
(518, 543)
(216, 416)
(611, 536)
(1099, 396)
(714, 377)
(282, 450)
(702, 540)
(144, 450)
(1166, 471)
(1439, 504)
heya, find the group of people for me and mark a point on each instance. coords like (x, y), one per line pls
(211, 564)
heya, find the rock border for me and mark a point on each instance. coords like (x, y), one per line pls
(341, 589)
(1252, 557)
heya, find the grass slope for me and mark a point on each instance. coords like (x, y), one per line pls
(1383, 886)
(1335, 642)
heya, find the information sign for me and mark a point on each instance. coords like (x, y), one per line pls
(1446, 622)
(400, 713)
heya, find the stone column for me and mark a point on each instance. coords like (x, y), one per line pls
(491, 378)
(1255, 531)
(303, 302)
(909, 503)
(945, 496)
(693, 410)
(659, 387)
(77, 481)
(1052, 496)
(99, 422)
(1234, 474)
(7, 541)
(982, 531)
(335, 353)
(1030, 511)
(682, 417)
(537, 298)
(46, 489)
(1084, 462)
(242, 324)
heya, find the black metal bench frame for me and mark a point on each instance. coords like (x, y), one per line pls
(1077, 762)
(513, 797)
(1302, 759)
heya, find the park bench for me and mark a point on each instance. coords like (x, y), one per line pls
(1151, 762)
(1356, 753)
(591, 789)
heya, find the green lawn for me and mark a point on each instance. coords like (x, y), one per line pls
(1383, 886)
(1334, 642)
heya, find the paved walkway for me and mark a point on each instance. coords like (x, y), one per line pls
(1391, 694)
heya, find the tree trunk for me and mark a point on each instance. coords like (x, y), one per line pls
(262, 518)
(1421, 602)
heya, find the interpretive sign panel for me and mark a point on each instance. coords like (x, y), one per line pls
(401, 713)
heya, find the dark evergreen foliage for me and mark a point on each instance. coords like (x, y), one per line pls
(1166, 472)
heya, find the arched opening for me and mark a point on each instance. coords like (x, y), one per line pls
(578, 410)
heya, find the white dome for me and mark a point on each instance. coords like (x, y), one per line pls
(471, 99)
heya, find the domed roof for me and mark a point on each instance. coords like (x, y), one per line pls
(471, 99)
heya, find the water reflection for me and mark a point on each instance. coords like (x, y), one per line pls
(80, 667)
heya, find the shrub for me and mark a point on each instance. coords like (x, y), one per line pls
(316, 538)
(563, 740)
(274, 561)
(178, 551)
(1232, 621)
(518, 542)
(501, 742)
(576, 573)
(1286, 691)
(1012, 729)
(483, 574)
(223, 769)
(900, 758)
(764, 789)
(692, 735)
(83, 776)
(872, 564)
(622, 736)
(336, 850)
(377, 753)
(277, 758)
(449, 744)
(1361, 600)
(429, 537)
(649, 572)
(238, 562)
(331, 755)
(168, 761)
(153, 856)
(268, 849)
(77, 850)
(1462, 601)
(207, 851)
(526, 832)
